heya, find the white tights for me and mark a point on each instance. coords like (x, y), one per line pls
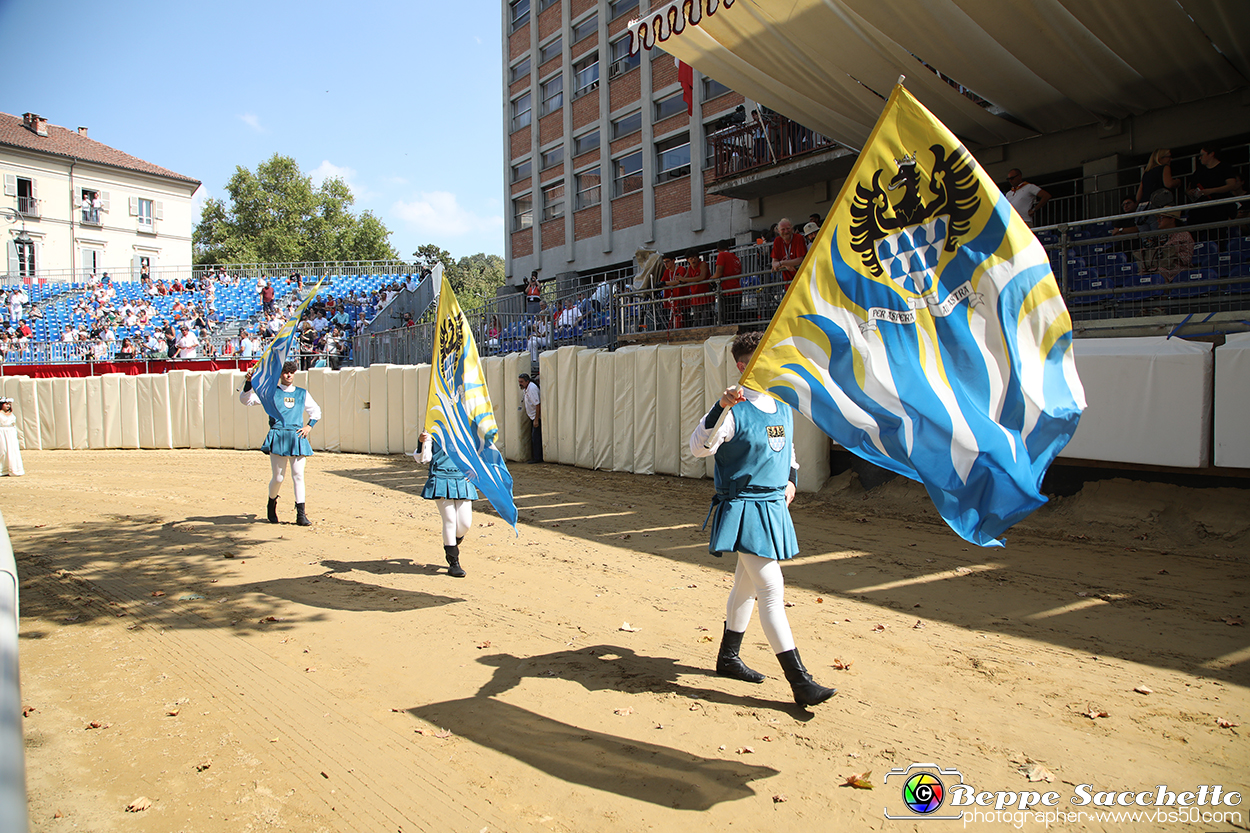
(760, 577)
(278, 464)
(457, 517)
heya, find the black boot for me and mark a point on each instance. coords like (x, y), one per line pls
(301, 519)
(273, 510)
(459, 538)
(807, 692)
(729, 664)
(453, 561)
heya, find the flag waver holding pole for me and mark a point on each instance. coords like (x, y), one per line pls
(459, 412)
(269, 365)
(925, 331)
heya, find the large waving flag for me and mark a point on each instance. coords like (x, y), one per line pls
(925, 331)
(459, 411)
(269, 365)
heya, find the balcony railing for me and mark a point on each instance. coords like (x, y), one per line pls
(29, 206)
(758, 144)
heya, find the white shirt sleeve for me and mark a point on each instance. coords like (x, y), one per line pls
(249, 397)
(703, 442)
(311, 408)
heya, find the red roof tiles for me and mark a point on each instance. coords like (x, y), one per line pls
(69, 144)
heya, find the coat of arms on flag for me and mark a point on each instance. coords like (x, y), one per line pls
(925, 331)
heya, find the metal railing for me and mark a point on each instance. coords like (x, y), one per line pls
(236, 272)
(736, 150)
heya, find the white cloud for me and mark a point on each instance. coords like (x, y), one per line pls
(253, 121)
(328, 170)
(439, 214)
(201, 196)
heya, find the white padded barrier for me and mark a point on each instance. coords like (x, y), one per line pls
(811, 450)
(197, 412)
(161, 430)
(549, 395)
(692, 408)
(1149, 401)
(395, 405)
(585, 412)
(566, 405)
(412, 409)
(128, 389)
(46, 413)
(492, 370)
(513, 423)
(667, 407)
(378, 409)
(76, 410)
(111, 394)
(624, 362)
(1232, 402)
(605, 410)
(179, 414)
(95, 412)
(644, 409)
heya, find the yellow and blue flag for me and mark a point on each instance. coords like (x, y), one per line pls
(459, 412)
(269, 365)
(925, 331)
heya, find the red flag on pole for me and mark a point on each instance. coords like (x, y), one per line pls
(686, 76)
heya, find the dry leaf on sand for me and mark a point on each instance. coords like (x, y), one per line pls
(138, 805)
(859, 781)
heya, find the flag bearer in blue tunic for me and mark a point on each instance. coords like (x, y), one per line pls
(755, 476)
(287, 441)
(454, 495)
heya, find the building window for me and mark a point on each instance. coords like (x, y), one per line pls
(521, 112)
(551, 50)
(522, 213)
(520, 70)
(622, 60)
(588, 190)
(543, 5)
(670, 106)
(619, 7)
(553, 93)
(553, 201)
(145, 213)
(520, 13)
(586, 143)
(713, 88)
(522, 170)
(627, 174)
(586, 28)
(552, 157)
(627, 124)
(586, 74)
(672, 158)
(90, 206)
(24, 251)
(27, 197)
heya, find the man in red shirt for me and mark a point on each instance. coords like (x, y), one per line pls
(697, 277)
(728, 268)
(670, 277)
(266, 297)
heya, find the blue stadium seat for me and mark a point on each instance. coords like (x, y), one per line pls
(1182, 284)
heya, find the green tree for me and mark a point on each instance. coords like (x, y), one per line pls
(275, 215)
(474, 279)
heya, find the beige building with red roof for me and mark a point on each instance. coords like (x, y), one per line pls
(72, 205)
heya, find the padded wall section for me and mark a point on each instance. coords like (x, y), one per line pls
(111, 405)
(333, 436)
(161, 430)
(1149, 401)
(412, 408)
(811, 450)
(692, 386)
(605, 410)
(95, 412)
(197, 411)
(77, 406)
(395, 409)
(718, 368)
(147, 433)
(585, 411)
(129, 395)
(179, 433)
(61, 437)
(667, 409)
(492, 369)
(26, 407)
(378, 409)
(1232, 402)
(644, 410)
(513, 423)
(361, 402)
(549, 398)
(315, 384)
(46, 412)
(624, 364)
(219, 405)
(566, 405)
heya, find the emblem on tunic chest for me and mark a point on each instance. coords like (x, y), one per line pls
(776, 437)
(288, 401)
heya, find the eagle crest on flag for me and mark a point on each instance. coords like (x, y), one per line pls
(903, 240)
(451, 350)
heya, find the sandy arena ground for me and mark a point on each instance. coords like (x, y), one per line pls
(238, 676)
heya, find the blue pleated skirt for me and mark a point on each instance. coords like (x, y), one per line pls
(286, 442)
(449, 488)
(759, 527)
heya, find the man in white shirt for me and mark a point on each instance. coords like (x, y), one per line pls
(1025, 197)
(187, 343)
(533, 410)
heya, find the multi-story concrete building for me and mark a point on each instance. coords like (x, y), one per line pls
(604, 154)
(78, 206)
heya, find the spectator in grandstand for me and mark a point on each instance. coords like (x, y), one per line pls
(24, 329)
(814, 218)
(674, 292)
(127, 350)
(809, 233)
(177, 286)
(249, 345)
(1157, 183)
(696, 276)
(1212, 180)
(788, 252)
(492, 334)
(728, 268)
(99, 350)
(287, 440)
(602, 296)
(1173, 251)
(68, 335)
(454, 495)
(533, 294)
(1025, 197)
(187, 343)
(96, 206)
(531, 401)
(540, 333)
(568, 319)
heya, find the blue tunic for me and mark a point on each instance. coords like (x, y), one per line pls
(283, 438)
(446, 480)
(749, 512)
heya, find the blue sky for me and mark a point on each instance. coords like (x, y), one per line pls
(401, 99)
